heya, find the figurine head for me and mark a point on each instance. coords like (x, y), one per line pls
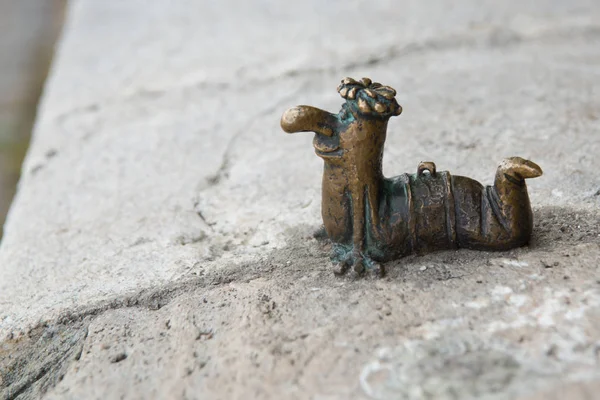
(360, 124)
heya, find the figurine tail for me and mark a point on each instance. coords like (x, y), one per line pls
(519, 168)
(497, 217)
(509, 199)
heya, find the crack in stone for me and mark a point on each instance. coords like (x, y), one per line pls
(39, 361)
(61, 342)
(498, 37)
(46, 351)
(142, 93)
(225, 166)
(199, 214)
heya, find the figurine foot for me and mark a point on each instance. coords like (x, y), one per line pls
(377, 270)
(341, 267)
(357, 260)
(359, 266)
(371, 267)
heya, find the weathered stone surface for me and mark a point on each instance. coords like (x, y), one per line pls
(164, 222)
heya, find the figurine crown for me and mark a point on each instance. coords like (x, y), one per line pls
(370, 98)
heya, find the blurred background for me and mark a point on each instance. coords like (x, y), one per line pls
(28, 32)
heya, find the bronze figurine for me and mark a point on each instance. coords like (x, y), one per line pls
(371, 219)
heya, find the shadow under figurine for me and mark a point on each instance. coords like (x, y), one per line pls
(371, 219)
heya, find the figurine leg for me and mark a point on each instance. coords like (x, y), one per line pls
(354, 255)
(358, 232)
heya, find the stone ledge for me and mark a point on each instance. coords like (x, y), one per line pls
(158, 175)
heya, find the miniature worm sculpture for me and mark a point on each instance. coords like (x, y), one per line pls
(370, 218)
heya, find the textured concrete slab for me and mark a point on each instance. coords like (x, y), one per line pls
(161, 244)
